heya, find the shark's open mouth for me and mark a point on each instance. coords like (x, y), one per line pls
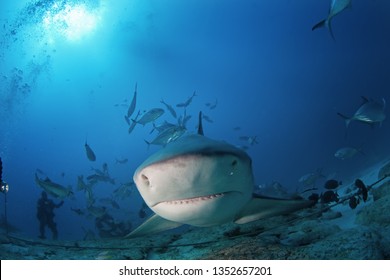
(192, 199)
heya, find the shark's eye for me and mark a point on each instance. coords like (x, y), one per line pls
(234, 162)
(145, 180)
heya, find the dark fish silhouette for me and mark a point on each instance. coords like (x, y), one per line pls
(133, 103)
(188, 102)
(353, 202)
(362, 189)
(90, 154)
(170, 108)
(332, 184)
(329, 196)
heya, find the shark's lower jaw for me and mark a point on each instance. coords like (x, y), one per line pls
(207, 210)
(192, 199)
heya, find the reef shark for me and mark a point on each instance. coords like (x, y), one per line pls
(202, 182)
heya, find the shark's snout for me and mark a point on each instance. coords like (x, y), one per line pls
(197, 189)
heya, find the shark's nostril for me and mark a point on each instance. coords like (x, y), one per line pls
(145, 179)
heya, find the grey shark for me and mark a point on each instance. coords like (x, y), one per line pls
(202, 182)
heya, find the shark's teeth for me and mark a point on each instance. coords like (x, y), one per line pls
(194, 199)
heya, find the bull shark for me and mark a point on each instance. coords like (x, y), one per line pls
(336, 7)
(202, 182)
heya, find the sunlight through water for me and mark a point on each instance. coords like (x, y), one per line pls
(74, 22)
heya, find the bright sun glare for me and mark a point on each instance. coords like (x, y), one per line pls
(72, 22)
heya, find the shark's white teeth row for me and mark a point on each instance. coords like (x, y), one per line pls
(194, 199)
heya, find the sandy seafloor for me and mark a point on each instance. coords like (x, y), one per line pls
(338, 233)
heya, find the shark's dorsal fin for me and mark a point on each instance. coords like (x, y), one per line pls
(154, 224)
(264, 207)
(200, 126)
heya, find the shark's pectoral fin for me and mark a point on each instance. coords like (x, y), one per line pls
(264, 207)
(154, 224)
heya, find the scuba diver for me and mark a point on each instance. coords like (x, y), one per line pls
(45, 215)
(3, 185)
(4, 189)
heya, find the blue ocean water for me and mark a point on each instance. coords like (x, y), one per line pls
(69, 68)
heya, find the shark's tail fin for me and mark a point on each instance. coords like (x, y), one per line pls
(324, 23)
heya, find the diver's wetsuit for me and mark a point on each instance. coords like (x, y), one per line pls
(45, 215)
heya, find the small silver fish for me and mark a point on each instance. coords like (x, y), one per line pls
(161, 127)
(150, 116)
(90, 198)
(121, 161)
(100, 178)
(188, 102)
(167, 136)
(96, 211)
(250, 139)
(213, 106)
(125, 190)
(347, 152)
(369, 112)
(207, 118)
(311, 178)
(170, 108)
(134, 122)
(81, 185)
